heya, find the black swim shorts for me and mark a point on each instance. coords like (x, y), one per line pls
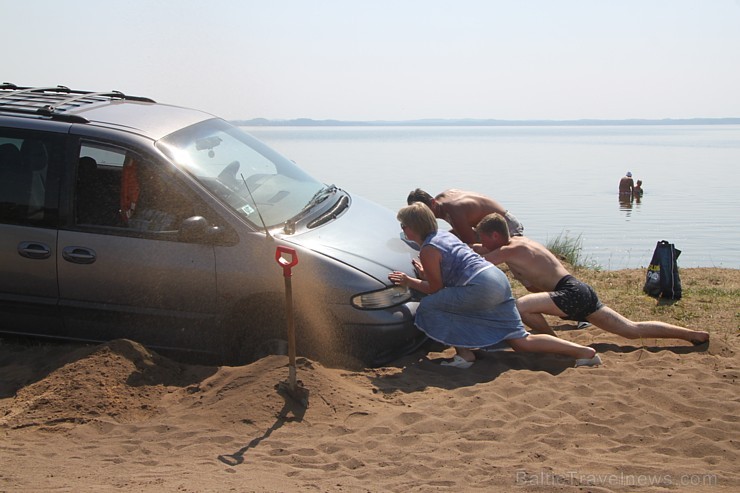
(576, 299)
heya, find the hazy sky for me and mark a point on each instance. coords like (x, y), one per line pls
(389, 59)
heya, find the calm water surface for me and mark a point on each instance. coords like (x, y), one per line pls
(555, 179)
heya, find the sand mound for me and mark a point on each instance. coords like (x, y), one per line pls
(120, 380)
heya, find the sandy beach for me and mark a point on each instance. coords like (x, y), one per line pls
(659, 415)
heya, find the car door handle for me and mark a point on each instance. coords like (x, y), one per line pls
(79, 255)
(33, 250)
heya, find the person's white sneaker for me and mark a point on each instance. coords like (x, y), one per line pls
(458, 361)
(595, 361)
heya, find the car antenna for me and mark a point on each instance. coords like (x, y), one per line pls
(267, 232)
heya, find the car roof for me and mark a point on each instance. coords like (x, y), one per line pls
(112, 109)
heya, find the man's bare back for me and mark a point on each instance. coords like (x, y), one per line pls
(530, 263)
(464, 210)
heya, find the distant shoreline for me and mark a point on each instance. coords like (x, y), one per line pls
(468, 122)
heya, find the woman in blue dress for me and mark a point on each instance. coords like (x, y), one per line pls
(469, 303)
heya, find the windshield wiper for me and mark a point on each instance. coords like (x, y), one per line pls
(320, 196)
(334, 212)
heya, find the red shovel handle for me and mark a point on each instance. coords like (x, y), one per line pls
(285, 263)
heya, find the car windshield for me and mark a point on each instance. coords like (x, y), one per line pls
(254, 180)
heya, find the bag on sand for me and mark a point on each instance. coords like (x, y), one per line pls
(662, 279)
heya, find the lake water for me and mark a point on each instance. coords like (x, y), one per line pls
(558, 180)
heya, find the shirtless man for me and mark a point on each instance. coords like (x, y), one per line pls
(626, 184)
(557, 292)
(463, 210)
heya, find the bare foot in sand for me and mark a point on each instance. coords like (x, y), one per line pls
(701, 338)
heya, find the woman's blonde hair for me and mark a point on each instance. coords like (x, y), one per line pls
(419, 218)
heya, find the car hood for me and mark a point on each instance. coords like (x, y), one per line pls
(367, 236)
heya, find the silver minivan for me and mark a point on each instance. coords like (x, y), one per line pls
(124, 218)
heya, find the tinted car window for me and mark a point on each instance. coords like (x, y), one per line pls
(29, 166)
(98, 189)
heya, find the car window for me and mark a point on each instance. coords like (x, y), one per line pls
(128, 193)
(28, 191)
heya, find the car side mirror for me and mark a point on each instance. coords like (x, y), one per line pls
(196, 229)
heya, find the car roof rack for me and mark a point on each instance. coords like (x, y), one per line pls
(55, 102)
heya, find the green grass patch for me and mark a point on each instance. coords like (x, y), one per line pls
(570, 249)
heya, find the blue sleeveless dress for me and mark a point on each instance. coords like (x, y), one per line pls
(476, 308)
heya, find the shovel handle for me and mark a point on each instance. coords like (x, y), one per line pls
(284, 263)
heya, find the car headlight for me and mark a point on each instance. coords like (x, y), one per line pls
(382, 298)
